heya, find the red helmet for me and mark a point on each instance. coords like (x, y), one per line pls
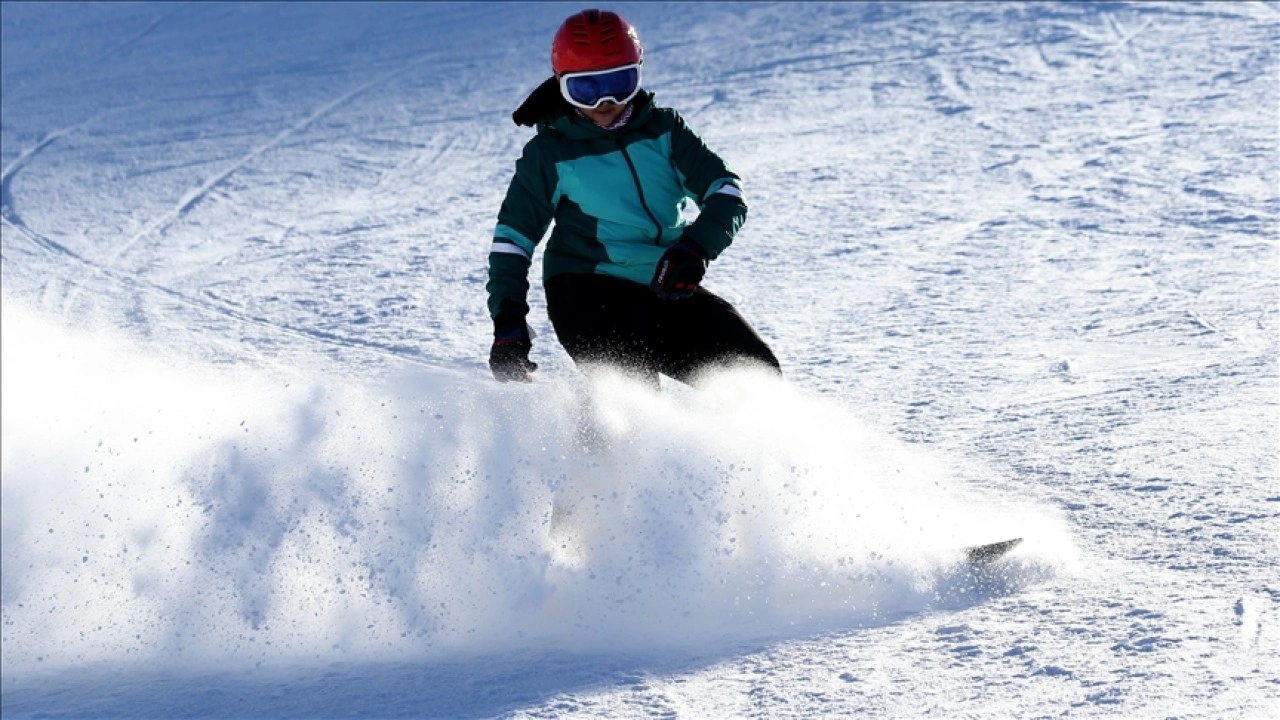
(594, 40)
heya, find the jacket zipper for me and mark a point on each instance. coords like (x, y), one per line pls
(635, 177)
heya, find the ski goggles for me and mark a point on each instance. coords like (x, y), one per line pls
(588, 89)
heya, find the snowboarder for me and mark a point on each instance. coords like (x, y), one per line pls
(623, 266)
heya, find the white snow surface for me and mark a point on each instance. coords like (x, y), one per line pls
(1019, 262)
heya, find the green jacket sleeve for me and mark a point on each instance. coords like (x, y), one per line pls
(523, 219)
(716, 189)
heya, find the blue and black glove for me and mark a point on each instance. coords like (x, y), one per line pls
(679, 270)
(509, 356)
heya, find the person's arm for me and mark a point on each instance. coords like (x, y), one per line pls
(714, 187)
(522, 220)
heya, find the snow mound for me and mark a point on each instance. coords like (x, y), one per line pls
(167, 511)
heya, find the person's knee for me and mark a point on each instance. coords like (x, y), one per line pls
(760, 354)
(765, 360)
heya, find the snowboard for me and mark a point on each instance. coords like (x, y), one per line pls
(982, 554)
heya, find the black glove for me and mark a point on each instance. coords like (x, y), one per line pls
(679, 270)
(509, 356)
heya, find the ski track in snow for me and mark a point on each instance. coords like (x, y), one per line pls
(130, 42)
(8, 213)
(191, 198)
(1020, 263)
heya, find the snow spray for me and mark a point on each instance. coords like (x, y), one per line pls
(168, 511)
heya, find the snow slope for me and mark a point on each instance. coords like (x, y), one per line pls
(1019, 263)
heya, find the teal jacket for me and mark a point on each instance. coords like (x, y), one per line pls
(617, 198)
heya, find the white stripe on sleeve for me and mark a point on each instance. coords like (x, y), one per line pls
(508, 248)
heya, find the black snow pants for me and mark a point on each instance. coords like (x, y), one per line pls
(602, 320)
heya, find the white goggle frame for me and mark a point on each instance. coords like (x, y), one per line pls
(564, 86)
